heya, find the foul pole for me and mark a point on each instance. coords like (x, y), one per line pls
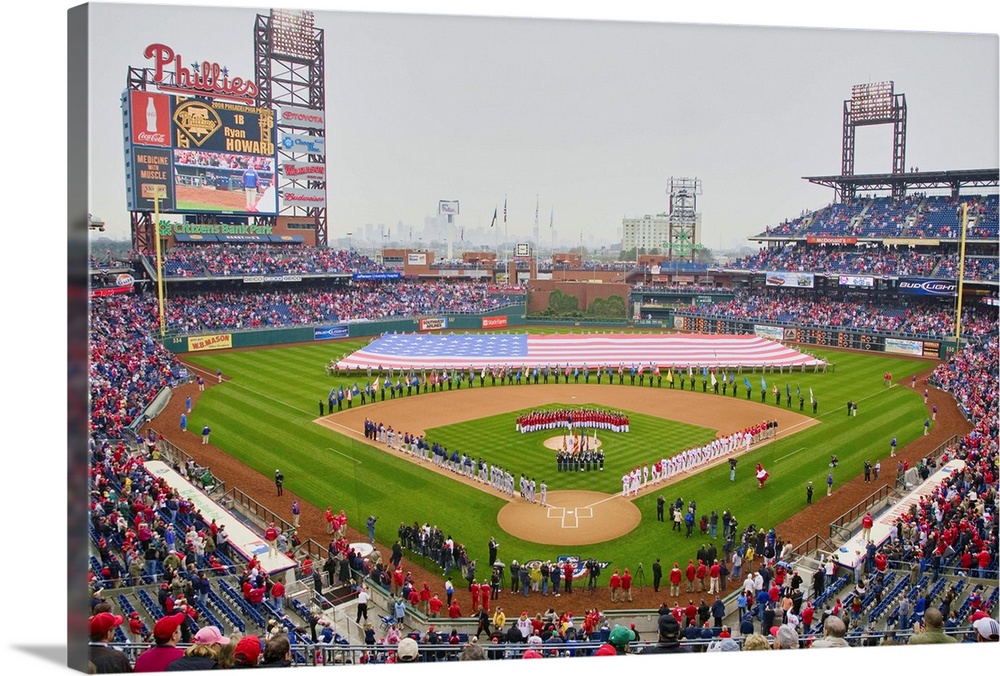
(961, 275)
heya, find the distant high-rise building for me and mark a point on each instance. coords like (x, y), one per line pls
(649, 232)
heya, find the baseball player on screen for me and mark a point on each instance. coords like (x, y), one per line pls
(250, 180)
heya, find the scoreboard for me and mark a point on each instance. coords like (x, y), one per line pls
(201, 155)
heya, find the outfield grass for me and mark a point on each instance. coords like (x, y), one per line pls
(263, 415)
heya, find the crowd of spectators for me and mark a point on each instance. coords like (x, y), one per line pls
(977, 268)
(913, 319)
(871, 260)
(126, 366)
(971, 377)
(228, 260)
(202, 158)
(680, 287)
(875, 260)
(360, 301)
(917, 215)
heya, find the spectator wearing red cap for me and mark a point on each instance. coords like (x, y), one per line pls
(435, 604)
(136, 627)
(106, 660)
(166, 635)
(615, 584)
(278, 594)
(690, 573)
(247, 653)
(675, 580)
(271, 536)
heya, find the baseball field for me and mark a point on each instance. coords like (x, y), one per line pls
(265, 414)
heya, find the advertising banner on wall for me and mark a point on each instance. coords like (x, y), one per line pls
(917, 286)
(910, 242)
(495, 322)
(932, 348)
(416, 259)
(433, 323)
(368, 276)
(914, 348)
(329, 332)
(219, 341)
(799, 280)
(303, 171)
(300, 143)
(857, 280)
(832, 240)
(306, 118)
(303, 197)
(770, 332)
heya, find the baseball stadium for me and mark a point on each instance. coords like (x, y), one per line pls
(302, 454)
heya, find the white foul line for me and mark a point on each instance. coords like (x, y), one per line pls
(791, 454)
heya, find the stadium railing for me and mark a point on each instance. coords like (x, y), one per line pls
(844, 525)
(176, 457)
(314, 654)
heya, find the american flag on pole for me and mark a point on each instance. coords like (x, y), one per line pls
(480, 350)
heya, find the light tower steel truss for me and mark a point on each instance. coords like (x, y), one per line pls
(871, 104)
(682, 220)
(289, 67)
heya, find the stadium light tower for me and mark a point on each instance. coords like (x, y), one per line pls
(871, 104)
(682, 221)
(290, 70)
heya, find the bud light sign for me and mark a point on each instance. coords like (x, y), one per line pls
(329, 332)
(928, 287)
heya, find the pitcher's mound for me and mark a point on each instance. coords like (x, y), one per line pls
(556, 443)
(571, 518)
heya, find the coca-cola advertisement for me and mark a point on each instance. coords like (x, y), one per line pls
(150, 119)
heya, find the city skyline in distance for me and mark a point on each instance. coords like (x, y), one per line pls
(592, 117)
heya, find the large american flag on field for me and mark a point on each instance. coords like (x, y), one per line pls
(410, 350)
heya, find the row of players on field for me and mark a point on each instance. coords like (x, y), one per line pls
(691, 459)
(529, 374)
(502, 479)
(569, 418)
(480, 470)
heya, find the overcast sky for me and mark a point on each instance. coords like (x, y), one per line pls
(592, 116)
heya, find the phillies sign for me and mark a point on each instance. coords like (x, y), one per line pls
(205, 79)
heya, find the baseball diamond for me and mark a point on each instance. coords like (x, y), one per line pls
(319, 434)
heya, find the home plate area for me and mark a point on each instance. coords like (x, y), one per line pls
(571, 518)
